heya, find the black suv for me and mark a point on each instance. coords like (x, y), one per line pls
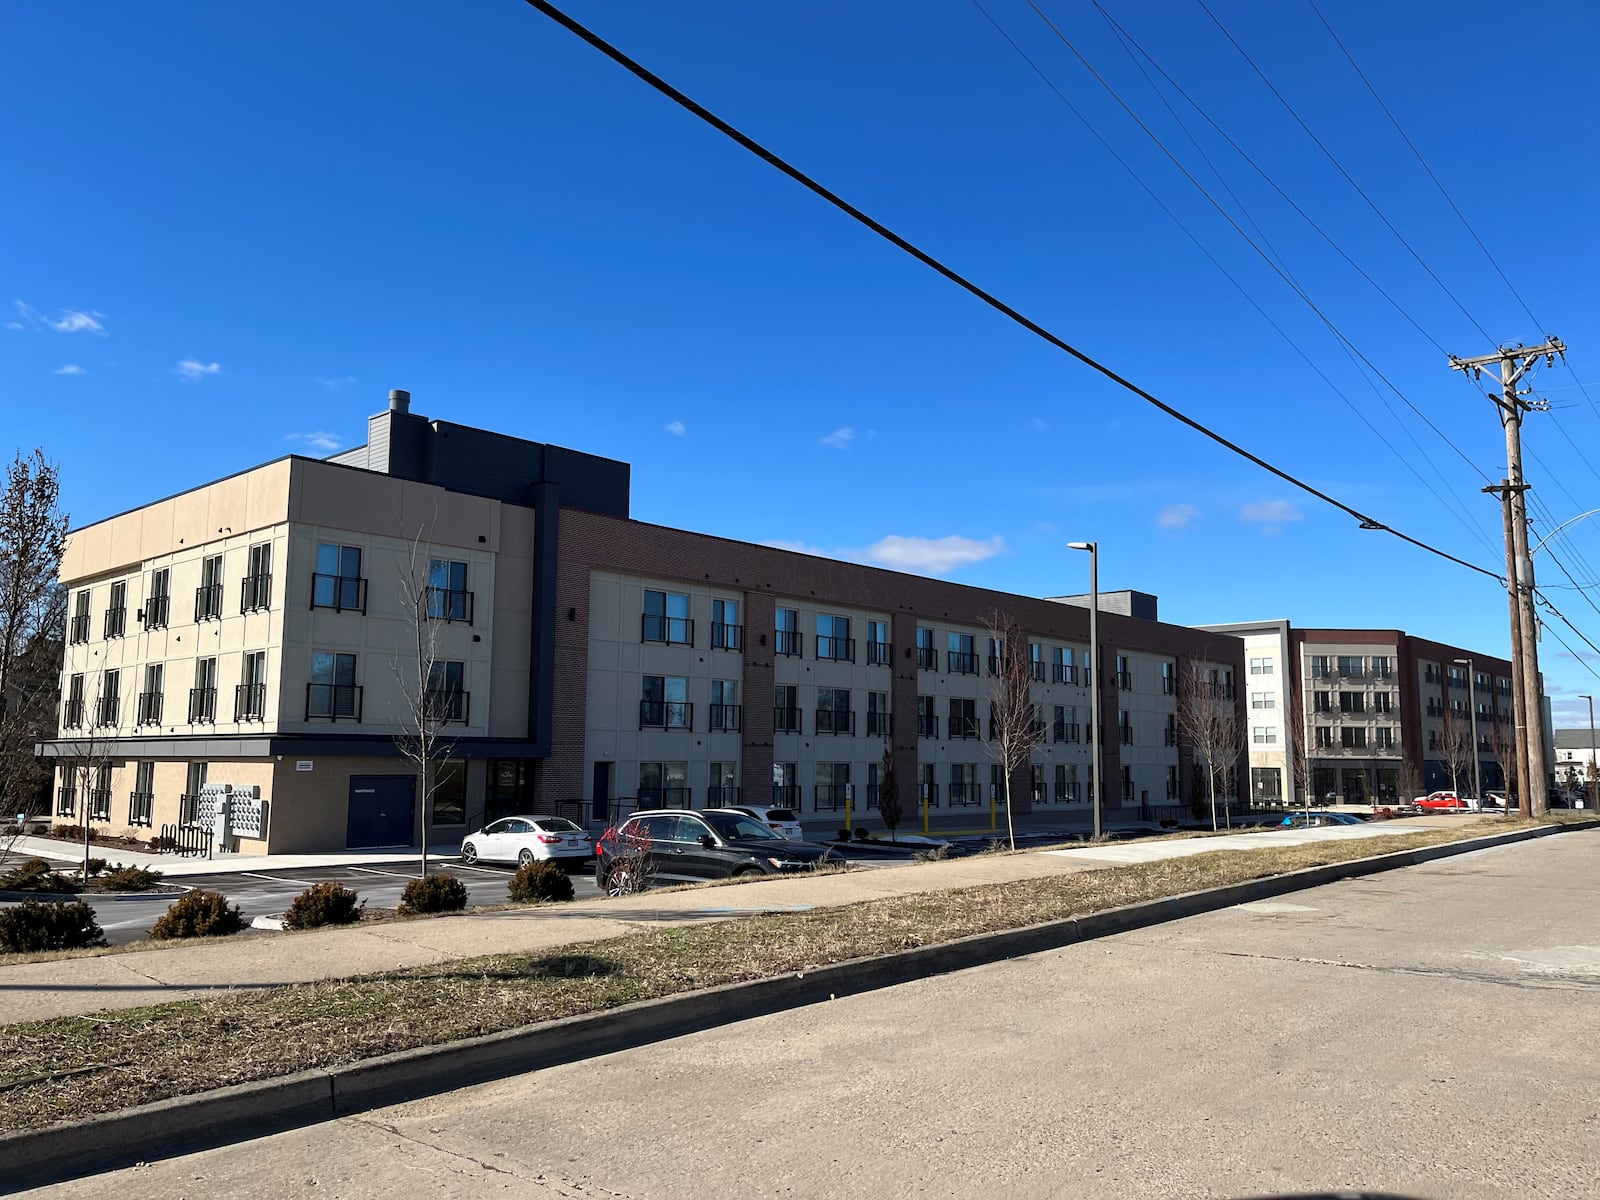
(683, 846)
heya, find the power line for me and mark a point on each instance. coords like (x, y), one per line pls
(645, 75)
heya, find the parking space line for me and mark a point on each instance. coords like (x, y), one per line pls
(276, 878)
(374, 871)
(480, 870)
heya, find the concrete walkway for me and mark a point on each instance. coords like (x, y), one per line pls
(35, 991)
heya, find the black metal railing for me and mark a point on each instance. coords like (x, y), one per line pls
(1064, 731)
(139, 807)
(203, 706)
(831, 797)
(1125, 734)
(342, 593)
(788, 642)
(664, 797)
(786, 795)
(674, 631)
(1063, 673)
(448, 706)
(255, 592)
(186, 839)
(1036, 670)
(877, 654)
(727, 637)
(108, 710)
(1068, 792)
(786, 720)
(965, 795)
(727, 717)
(927, 658)
(836, 720)
(928, 793)
(879, 724)
(100, 804)
(961, 662)
(1347, 672)
(721, 797)
(66, 801)
(665, 714)
(150, 708)
(80, 629)
(1169, 686)
(994, 664)
(1125, 680)
(1036, 731)
(155, 612)
(116, 622)
(333, 702)
(72, 714)
(927, 725)
(208, 602)
(448, 604)
(836, 649)
(250, 702)
(965, 727)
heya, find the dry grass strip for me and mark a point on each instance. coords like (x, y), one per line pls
(78, 1066)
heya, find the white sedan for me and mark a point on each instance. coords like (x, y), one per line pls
(523, 840)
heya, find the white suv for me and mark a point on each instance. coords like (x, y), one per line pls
(783, 821)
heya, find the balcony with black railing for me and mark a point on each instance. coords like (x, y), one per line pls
(1125, 681)
(66, 801)
(341, 593)
(140, 805)
(154, 613)
(721, 797)
(250, 702)
(108, 710)
(1063, 673)
(665, 714)
(452, 605)
(878, 654)
(1125, 734)
(1036, 671)
(965, 727)
(927, 725)
(79, 631)
(448, 706)
(333, 702)
(994, 664)
(878, 724)
(150, 704)
(788, 642)
(100, 804)
(786, 795)
(726, 637)
(836, 720)
(255, 592)
(835, 649)
(116, 622)
(1068, 793)
(927, 658)
(1036, 731)
(208, 602)
(727, 718)
(965, 795)
(203, 706)
(1064, 731)
(831, 797)
(786, 720)
(961, 662)
(673, 631)
(1169, 686)
(72, 714)
(664, 797)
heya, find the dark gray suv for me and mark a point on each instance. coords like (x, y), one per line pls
(684, 846)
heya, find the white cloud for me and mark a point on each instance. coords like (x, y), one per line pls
(1176, 516)
(321, 441)
(1270, 513)
(839, 439)
(337, 384)
(676, 428)
(69, 369)
(931, 556)
(71, 320)
(13, 324)
(192, 371)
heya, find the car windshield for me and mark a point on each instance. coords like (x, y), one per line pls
(734, 827)
(557, 825)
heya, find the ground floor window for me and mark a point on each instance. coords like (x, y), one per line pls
(142, 799)
(189, 801)
(510, 787)
(450, 793)
(1266, 785)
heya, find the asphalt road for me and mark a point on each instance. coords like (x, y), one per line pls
(1424, 1032)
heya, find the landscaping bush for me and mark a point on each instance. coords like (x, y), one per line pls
(28, 868)
(159, 843)
(433, 894)
(52, 925)
(130, 879)
(72, 833)
(96, 865)
(35, 875)
(540, 881)
(199, 914)
(320, 904)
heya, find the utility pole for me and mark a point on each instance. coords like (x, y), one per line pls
(1519, 706)
(1515, 362)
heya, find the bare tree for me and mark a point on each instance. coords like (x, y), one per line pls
(1455, 745)
(1208, 722)
(1410, 779)
(1503, 745)
(1299, 746)
(87, 754)
(1016, 727)
(888, 792)
(431, 699)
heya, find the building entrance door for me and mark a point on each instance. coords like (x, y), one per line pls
(382, 811)
(602, 792)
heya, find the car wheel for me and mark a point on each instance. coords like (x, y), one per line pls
(469, 853)
(616, 882)
(525, 858)
(747, 872)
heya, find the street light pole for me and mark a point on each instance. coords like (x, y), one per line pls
(1094, 673)
(1472, 699)
(1593, 773)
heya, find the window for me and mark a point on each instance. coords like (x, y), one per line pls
(1325, 736)
(1064, 723)
(786, 623)
(927, 785)
(663, 785)
(785, 791)
(1088, 681)
(1172, 782)
(666, 618)
(1383, 739)
(1264, 735)
(450, 793)
(208, 596)
(927, 719)
(446, 699)
(1124, 673)
(1319, 666)
(877, 714)
(1263, 700)
(337, 583)
(1380, 666)
(109, 710)
(665, 703)
(1352, 702)
(100, 794)
(963, 718)
(333, 694)
(203, 695)
(1125, 728)
(1261, 666)
(1456, 676)
(447, 596)
(150, 699)
(142, 799)
(833, 785)
(250, 696)
(726, 714)
(1350, 666)
(1067, 789)
(996, 649)
(158, 599)
(927, 656)
(1170, 734)
(1383, 702)
(1127, 782)
(833, 639)
(877, 643)
(726, 632)
(72, 711)
(1036, 662)
(189, 801)
(67, 793)
(1062, 668)
(724, 786)
(960, 658)
(1169, 679)
(785, 709)
(256, 594)
(1353, 739)
(1321, 701)
(833, 711)
(1266, 784)
(117, 610)
(964, 784)
(80, 618)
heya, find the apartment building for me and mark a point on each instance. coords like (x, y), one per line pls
(1377, 714)
(261, 631)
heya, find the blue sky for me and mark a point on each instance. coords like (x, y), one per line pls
(229, 230)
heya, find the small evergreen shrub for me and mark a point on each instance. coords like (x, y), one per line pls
(159, 843)
(130, 879)
(538, 882)
(433, 894)
(53, 925)
(321, 904)
(72, 833)
(28, 868)
(35, 875)
(96, 865)
(198, 914)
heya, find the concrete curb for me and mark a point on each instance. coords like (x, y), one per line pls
(184, 1124)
